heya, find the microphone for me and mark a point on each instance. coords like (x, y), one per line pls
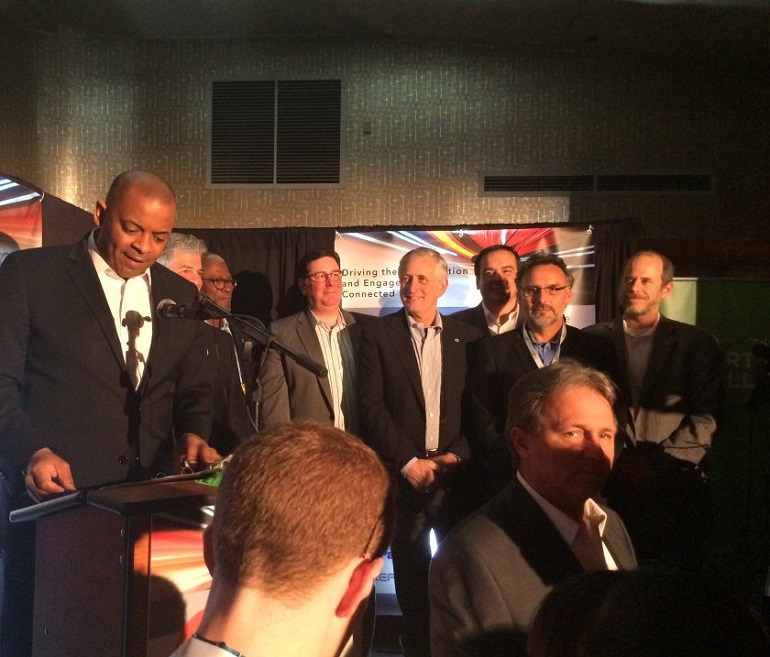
(170, 309)
(201, 308)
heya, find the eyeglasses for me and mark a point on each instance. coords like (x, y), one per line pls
(222, 283)
(549, 290)
(322, 276)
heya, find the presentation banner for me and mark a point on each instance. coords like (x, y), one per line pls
(370, 264)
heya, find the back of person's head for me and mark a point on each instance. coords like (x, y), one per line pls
(652, 612)
(560, 622)
(295, 505)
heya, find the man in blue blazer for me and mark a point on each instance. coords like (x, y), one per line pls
(94, 388)
(411, 376)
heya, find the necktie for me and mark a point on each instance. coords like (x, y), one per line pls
(133, 321)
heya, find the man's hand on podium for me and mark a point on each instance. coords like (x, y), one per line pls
(47, 474)
(195, 453)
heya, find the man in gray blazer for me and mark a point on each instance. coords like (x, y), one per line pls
(671, 375)
(323, 332)
(493, 570)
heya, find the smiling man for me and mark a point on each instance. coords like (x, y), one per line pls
(545, 290)
(672, 377)
(493, 570)
(411, 368)
(324, 333)
(94, 388)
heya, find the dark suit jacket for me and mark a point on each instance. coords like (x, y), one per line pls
(499, 362)
(63, 379)
(475, 317)
(231, 424)
(493, 570)
(391, 401)
(683, 393)
(290, 392)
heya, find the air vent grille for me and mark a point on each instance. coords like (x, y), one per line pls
(629, 184)
(276, 132)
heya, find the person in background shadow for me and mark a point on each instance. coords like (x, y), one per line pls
(183, 254)
(652, 612)
(492, 571)
(303, 517)
(672, 378)
(495, 268)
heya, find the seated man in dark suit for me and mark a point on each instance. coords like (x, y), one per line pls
(545, 290)
(495, 268)
(492, 571)
(303, 518)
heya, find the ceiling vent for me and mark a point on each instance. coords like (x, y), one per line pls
(625, 184)
(276, 133)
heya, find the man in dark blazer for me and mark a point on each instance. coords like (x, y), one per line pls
(493, 570)
(290, 392)
(672, 375)
(411, 373)
(94, 388)
(495, 268)
(545, 289)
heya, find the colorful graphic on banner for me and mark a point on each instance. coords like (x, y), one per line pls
(370, 262)
(21, 218)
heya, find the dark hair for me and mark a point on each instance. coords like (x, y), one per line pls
(479, 257)
(311, 256)
(542, 258)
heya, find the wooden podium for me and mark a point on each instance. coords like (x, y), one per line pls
(97, 586)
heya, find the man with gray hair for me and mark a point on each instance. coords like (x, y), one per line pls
(182, 255)
(411, 367)
(544, 285)
(185, 255)
(493, 570)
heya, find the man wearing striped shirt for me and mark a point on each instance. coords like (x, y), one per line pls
(323, 332)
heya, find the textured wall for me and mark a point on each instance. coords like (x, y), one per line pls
(77, 110)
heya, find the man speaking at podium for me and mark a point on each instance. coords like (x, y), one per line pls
(94, 388)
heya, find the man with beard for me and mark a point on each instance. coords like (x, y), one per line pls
(545, 289)
(672, 377)
(495, 268)
(493, 570)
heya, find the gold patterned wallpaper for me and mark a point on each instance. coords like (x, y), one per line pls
(76, 110)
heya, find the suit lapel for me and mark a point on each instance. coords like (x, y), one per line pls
(309, 340)
(662, 343)
(401, 340)
(87, 282)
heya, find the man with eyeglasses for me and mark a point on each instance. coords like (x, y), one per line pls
(289, 583)
(325, 333)
(545, 290)
(231, 367)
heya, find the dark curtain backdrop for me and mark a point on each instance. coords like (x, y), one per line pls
(613, 246)
(263, 262)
